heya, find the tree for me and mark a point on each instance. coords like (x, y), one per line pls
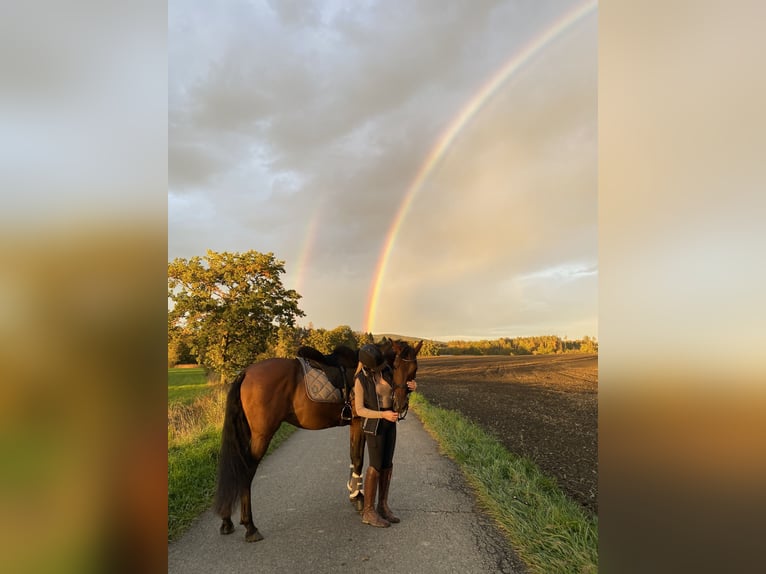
(429, 349)
(318, 339)
(342, 335)
(288, 340)
(179, 351)
(364, 339)
(588, 345)
(230, 306)
(325, 341)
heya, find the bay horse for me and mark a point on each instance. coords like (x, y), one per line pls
(272, 391)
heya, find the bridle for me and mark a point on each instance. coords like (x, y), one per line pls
(396, 386)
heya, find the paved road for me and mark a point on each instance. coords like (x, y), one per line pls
(300, 505)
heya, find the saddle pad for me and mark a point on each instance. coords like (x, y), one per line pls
(318, 386)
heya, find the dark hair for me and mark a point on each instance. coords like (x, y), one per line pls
(370, 356)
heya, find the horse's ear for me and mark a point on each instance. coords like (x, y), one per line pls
(417, 347)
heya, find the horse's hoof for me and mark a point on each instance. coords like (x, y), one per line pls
(254, 536)
(227, 527)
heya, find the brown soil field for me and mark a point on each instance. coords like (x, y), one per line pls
(542, 407)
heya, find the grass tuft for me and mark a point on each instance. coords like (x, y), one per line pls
(549, 531)
(187, 420)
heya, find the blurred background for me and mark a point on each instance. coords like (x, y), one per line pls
(83, 134)
(681, 312)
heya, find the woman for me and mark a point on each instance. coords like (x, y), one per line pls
(374, 400)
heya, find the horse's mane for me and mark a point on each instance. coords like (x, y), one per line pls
(340, 356)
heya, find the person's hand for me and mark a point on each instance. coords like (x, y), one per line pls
(391, 416)
(412, 385)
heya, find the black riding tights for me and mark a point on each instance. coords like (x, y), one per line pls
(380, 447)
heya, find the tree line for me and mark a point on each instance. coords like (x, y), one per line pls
(228, 310)
(540, 345)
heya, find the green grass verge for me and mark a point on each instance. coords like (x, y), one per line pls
(547, 530)
(191, 479)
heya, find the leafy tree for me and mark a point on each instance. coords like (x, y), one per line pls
(589, 345)
(288, 340)
(318, 338)
(325, 341)
(179, 351)
(363, 339)
(342, 335)
(230, 306)
(429, 349)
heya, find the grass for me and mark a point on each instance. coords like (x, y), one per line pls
(191, 479)
(195, 419)
(186, 385)
(549, 531)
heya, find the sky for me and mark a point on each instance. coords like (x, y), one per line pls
(423, 168)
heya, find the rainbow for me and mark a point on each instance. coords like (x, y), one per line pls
(306, 249)
(446, 138)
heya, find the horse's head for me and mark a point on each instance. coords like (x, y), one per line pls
(405, 367)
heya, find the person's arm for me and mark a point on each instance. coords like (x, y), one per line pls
(361, 410)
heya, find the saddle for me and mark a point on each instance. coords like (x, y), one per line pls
(319, 388)
(324, 376)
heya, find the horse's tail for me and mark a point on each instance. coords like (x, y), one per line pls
(235, 461)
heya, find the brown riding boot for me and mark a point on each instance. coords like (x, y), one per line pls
(383, 509)
(369, 514)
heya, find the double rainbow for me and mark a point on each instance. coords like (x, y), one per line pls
(447, 137)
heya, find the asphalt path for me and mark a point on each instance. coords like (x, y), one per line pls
(301, 507)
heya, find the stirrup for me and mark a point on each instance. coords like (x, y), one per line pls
(345, 413)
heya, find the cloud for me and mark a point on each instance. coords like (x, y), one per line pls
(562, 273)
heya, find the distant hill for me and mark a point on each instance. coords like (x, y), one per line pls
(405, 338)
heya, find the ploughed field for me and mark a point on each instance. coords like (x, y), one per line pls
(542, 407)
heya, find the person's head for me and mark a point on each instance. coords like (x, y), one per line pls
(371, 357)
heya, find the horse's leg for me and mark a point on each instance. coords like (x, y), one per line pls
(356, 494)
(258, 445)
(246, 513)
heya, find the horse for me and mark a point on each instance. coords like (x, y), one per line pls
(272, 391)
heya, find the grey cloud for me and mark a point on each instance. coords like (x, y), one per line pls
(302, 99)
(191, 165)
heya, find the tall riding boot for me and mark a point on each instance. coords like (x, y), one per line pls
(370, 515)
(383, 509)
